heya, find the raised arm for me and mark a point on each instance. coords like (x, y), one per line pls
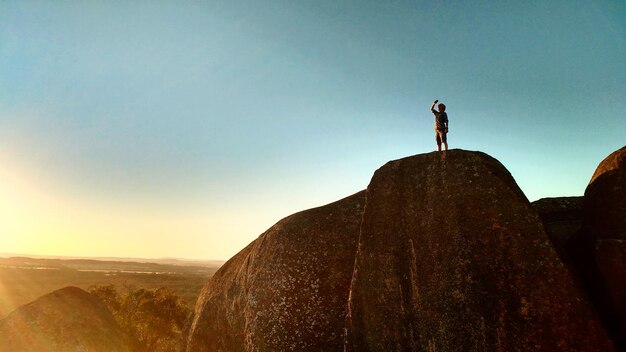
(432, 107)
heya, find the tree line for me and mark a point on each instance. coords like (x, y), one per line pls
(154, 318)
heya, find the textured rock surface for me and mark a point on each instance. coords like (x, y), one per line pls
(610, 256)
(452, 257)
(68, 319)
(287, 290)
(615, 161)
(562, 219)
(605, 199)
(600, 251)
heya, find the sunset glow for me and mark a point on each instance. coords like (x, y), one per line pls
(186, 130)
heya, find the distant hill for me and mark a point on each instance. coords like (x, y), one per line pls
(23, 278)
(170, 261)
(174, 266)
(68, 319)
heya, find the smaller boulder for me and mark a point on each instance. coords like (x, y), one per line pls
(562, 218)
(65, 320)
(287, 290)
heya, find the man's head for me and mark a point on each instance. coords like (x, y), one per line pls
(441, 107)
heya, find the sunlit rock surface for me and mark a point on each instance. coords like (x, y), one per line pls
(65, 320)
(287, 290)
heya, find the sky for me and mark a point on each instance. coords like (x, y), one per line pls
(186, 129)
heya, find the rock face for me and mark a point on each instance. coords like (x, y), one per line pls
(600, 250)
(287, 290)
(68, 319)
(562, 219)
(605, 199)
(452, 257)
(616, 161)
(443, 252)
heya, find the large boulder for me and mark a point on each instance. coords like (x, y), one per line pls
(605, 199)
(452, 257)
(599, 251)
(443, 252)
(287, 290)
(65, 320)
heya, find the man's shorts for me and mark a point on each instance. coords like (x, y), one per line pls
(441, 137)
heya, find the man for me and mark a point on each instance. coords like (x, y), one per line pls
(441, 125)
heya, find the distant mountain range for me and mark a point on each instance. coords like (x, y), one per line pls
(166, 261)
(120, 265)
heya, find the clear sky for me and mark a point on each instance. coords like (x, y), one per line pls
(187, 128)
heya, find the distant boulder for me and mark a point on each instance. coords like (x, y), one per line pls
(65, 320)
(562, 219)
(452, 257)
(287, 290)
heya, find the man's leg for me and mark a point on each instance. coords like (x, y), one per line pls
(438, 139)
(444, 139)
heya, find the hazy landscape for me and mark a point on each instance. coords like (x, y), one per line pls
(24, 279)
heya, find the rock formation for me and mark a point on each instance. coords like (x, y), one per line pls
(562, 219)
(615, 162)
(599, 251)
(68, 319)
(287, 290)
(452, 257)
(443, 252)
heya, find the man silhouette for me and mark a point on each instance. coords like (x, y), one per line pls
(441, 125)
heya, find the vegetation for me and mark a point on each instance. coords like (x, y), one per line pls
(150, 301)
(155, 317)
(23, 280)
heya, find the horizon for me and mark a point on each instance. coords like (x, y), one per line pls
(7, 255)
(187, 130)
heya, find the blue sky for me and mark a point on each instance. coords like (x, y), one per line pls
(215, 119)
